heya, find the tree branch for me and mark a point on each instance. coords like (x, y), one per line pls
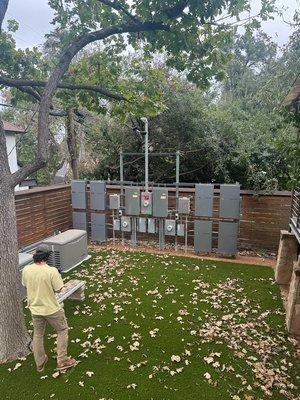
(175, 11)
(119, 7)
(62, 66)
(23, 84)
(3, 9)
(29, 90)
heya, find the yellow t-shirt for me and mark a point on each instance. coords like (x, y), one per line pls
(41, 282)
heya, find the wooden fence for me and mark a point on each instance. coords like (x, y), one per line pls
(42, 211)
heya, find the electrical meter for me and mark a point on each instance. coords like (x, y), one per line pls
(125, 224)
(170, 227)
(146, 203)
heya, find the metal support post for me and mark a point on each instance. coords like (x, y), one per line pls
(121, 172)
(177, 177)
(113, 226)
(145, 121)
(122, 188)
(161, 234)
(133, 234)
(186, 234)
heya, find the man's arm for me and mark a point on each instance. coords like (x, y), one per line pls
(57, 282)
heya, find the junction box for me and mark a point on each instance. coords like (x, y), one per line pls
(151, 225)
(160, 202)
(114, 201)
(132, 201)
(184, 205)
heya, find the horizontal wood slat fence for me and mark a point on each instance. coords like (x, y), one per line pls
(43, 211)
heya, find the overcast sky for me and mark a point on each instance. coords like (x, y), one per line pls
(34, 17)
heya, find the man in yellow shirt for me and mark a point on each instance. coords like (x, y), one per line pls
(41, 282)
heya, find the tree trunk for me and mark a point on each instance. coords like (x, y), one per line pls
(14, 337)
(3, 9)
(72, 143)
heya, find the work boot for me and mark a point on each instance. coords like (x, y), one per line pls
(71, 362)
(42, 367)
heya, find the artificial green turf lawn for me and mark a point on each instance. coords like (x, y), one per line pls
(116, 278)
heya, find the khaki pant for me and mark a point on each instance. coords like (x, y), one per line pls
(58, 322)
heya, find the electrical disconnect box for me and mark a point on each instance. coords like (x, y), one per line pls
(98, 195)
(79, 220)
(151, 225)
(203, 236)
(184, 205)
(142, 225)
(117, 224)
(146, 203)
(204, 194)
(78, 192)
(132, 201)
(114, 201)
(228, 235)
(170, 227)
(180, 229)
(98, 227)
(230, 201)
(160, 202)
(126, 224)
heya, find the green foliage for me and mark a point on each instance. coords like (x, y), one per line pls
(196, 41)
(237, 132)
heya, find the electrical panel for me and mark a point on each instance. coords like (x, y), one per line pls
(98, 227)
(116, 225)
(146, 203)
(203, 236)
(142, 225)
(98, 195)
(160, 202)
(184, 205)
(170, 227)
(125, 224)
(132, 201)
(78, 193)
(180, 229)
(230, 201)
(204, 194)
(228, 235)
(114, 201)
(79, 220)
(151, 225)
